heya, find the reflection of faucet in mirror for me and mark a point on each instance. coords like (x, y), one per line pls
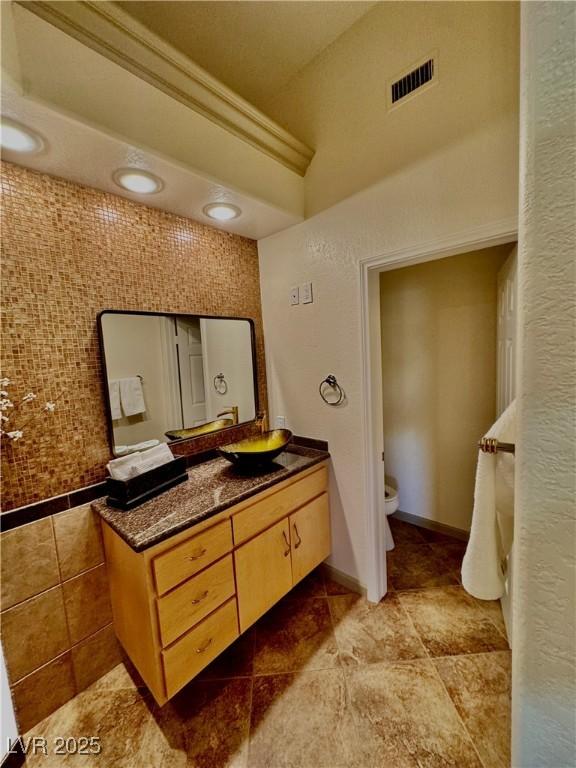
(262, 421)
(231, 410)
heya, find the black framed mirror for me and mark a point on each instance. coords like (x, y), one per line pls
(170, 377)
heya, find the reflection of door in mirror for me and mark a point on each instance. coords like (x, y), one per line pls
(227, 350)
(190, 363)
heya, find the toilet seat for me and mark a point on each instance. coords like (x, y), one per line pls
(391, 499)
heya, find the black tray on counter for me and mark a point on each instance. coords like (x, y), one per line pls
(127, 494)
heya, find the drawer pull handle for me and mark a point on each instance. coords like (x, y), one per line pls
(298, 536)
(287, 550)
(204, 647)
(200, 554)
(197, 600)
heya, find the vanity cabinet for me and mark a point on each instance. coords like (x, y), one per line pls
(178, 604)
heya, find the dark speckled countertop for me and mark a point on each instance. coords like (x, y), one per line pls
(211, 487)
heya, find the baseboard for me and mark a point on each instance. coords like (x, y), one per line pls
(432, 525)
(16, 757)
(344, 579)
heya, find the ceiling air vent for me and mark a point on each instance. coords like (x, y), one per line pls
(411, 81)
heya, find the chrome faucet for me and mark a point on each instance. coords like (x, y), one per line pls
(231, 410)
(262, 421)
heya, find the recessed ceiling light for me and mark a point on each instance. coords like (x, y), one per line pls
(15, 137)
(222, 211)
(135, 180)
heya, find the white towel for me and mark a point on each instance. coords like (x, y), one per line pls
(114, 395)
(121, 468)
(152, 458)
(132, 396)
(124, 450)
(135, 464)
(483, 567)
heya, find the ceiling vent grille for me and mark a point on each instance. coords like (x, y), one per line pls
(419, 76)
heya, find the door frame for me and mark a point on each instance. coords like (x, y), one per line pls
(492, 234)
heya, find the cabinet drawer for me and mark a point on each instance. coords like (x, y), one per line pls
(189, 603)
(189, 655)
(265, 513)
(178, 564)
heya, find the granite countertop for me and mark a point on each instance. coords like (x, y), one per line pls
(211, 487)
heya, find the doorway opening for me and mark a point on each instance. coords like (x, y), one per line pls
(487, 258)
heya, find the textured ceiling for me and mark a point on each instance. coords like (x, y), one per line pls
(255, 48)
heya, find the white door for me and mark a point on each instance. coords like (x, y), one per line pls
(506, 384)
(191, 368)
(506, 333)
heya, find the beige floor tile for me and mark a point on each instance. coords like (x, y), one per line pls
(124, 724)
(493, 610)
(367, 632)
(405, 718)
(413, 564)
(310, 586)
(323, 680)
(295, 635)
(211, 722)
(301, 721)
(479, 686)
(450, 623)
(236, 661)
(335, 588)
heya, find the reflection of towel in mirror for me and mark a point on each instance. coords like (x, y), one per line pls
(123, 450)
(114, 394)
(135, 464)
(132, 396)
(483, 567)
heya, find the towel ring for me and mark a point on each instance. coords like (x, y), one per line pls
(220, 384)
(332, 382)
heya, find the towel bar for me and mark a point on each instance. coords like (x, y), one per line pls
(491, 445)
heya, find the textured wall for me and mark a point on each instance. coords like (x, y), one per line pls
(439, 379)
(69, 252)
(544, 672)
(338, 104)
(468, 185)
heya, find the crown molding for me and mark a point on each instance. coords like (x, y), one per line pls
(114, 34)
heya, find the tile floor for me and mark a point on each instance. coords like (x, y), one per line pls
(325, 680)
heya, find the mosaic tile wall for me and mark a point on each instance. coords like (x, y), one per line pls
(69, 252)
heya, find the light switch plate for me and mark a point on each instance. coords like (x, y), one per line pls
(294, 296)
(280, 422)
(306, 293)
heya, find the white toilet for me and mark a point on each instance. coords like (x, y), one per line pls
(390, 505)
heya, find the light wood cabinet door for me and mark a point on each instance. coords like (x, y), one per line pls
(310, 536)
(263, 572)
